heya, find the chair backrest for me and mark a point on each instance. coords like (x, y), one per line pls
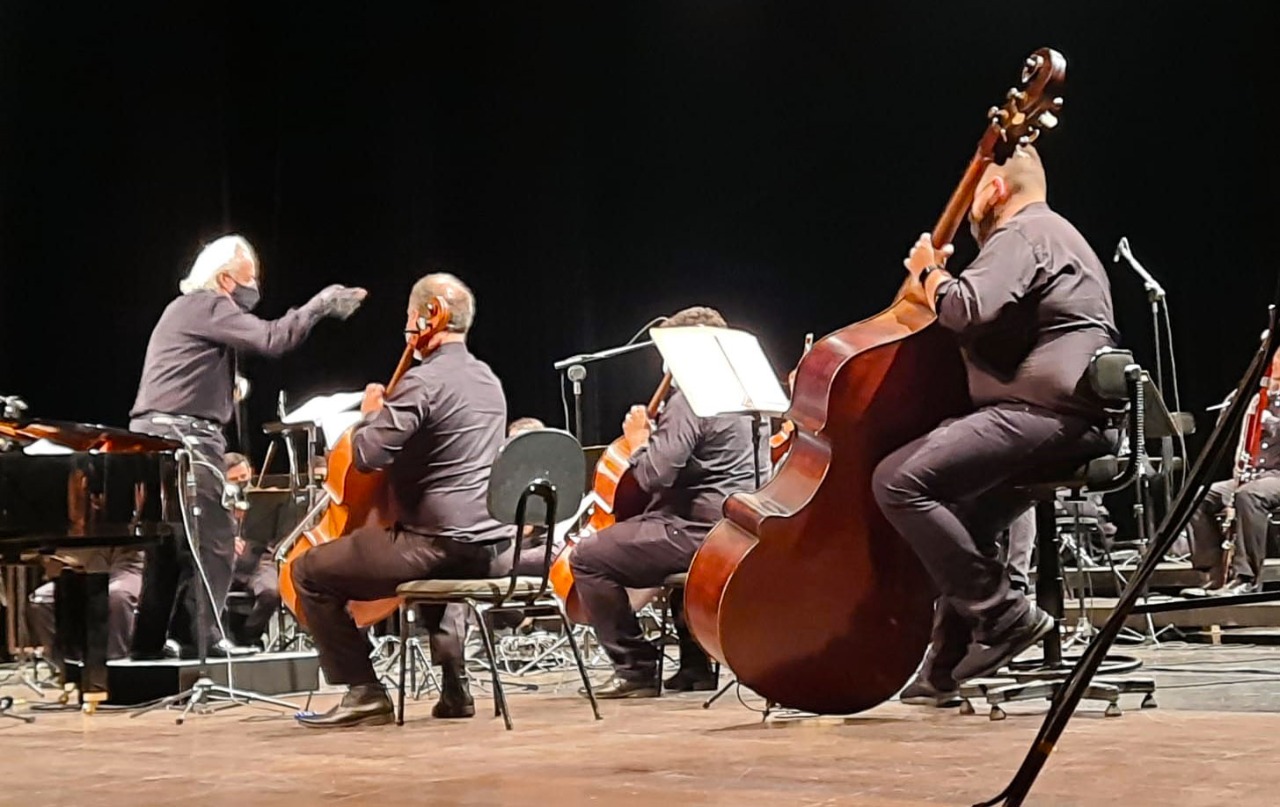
(1107, 374)
(537, 475)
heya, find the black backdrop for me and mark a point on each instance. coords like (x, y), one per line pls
(586, 166)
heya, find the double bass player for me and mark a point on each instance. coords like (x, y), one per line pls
(1029, 311)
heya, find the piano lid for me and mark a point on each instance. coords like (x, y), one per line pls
(84, 437)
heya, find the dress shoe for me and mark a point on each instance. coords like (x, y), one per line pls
(454, 704)
(618, 687)
(919, 692)
(1234, 588)
(691, 680)
(363, 705)
(984, 658)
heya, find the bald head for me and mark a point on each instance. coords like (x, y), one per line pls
(457, 297)
(1023, 174)
(1005, 189)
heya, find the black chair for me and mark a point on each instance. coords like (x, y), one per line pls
(1137, 413)
(537, 474)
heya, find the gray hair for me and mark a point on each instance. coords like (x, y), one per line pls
(213, 259)
(457, 298)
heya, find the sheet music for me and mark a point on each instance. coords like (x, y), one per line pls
(336, 425)
(721, 370)
(46, 448)
(318, 408)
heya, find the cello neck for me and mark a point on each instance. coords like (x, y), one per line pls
(661, 392)
(957, 209)
(406, 361)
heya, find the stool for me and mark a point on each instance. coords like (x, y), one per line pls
(1132, 402)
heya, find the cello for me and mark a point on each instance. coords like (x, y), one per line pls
(357, 498)
(618, 498)
(803, 589)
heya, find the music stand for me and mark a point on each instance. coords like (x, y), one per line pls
(723, 371)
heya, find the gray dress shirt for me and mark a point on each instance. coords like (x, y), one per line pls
(190, 359)
(1030, 311)
(691, 465)
(437, 436)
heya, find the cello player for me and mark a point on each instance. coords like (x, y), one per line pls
(1029, 311)
(689, 466)
(436, 435)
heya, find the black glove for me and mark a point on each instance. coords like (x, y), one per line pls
(340, 302)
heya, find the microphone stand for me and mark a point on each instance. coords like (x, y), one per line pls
(1155, 295)
(575, 370)
(200, 693)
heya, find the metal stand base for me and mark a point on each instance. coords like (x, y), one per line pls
(199, 700)
(6, 704)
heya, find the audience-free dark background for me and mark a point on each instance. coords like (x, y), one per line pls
(587, 166)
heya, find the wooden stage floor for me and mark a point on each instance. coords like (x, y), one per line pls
(669, 751)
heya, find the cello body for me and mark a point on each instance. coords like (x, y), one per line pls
(803, 589)
(355, 499)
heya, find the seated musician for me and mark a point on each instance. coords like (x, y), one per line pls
(1029, 311)
(256, 572)
(437, 436)
(689, 465)
(1253, 500)
(186, 393)
(124, 585)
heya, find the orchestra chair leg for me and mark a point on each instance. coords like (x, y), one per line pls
(499, 695)
(404, 642)
(582, 665)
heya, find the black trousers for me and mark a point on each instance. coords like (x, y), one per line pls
(952, 633)
(637, 553)
(170, 570)
(946, 493)
(1254, 502)
(259, 579)
(368, 565)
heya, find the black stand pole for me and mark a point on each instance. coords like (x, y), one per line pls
(577, 374)
(1192, 492)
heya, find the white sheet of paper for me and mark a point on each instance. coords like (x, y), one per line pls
(563, 528)
(45, 448)
(721, 370)
(336, 424)
(318, 408)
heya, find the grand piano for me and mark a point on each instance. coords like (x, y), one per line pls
(69, 487)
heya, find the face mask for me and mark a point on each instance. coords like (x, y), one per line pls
(246, 297)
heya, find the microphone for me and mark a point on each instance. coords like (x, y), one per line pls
(576, 374)
(1154, 289)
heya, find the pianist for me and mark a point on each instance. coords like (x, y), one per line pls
(187, 383)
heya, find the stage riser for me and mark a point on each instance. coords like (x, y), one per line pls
(134, 682)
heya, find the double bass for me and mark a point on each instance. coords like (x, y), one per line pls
(618, 497)
(803, 589)
(357, 498)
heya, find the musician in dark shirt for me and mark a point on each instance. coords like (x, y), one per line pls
(688, 465)
(436, 436)
(256, 572)
(1254, 496)
(187, 385)
(1029, 312)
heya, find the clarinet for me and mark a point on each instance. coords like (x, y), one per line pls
(1246, 468)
